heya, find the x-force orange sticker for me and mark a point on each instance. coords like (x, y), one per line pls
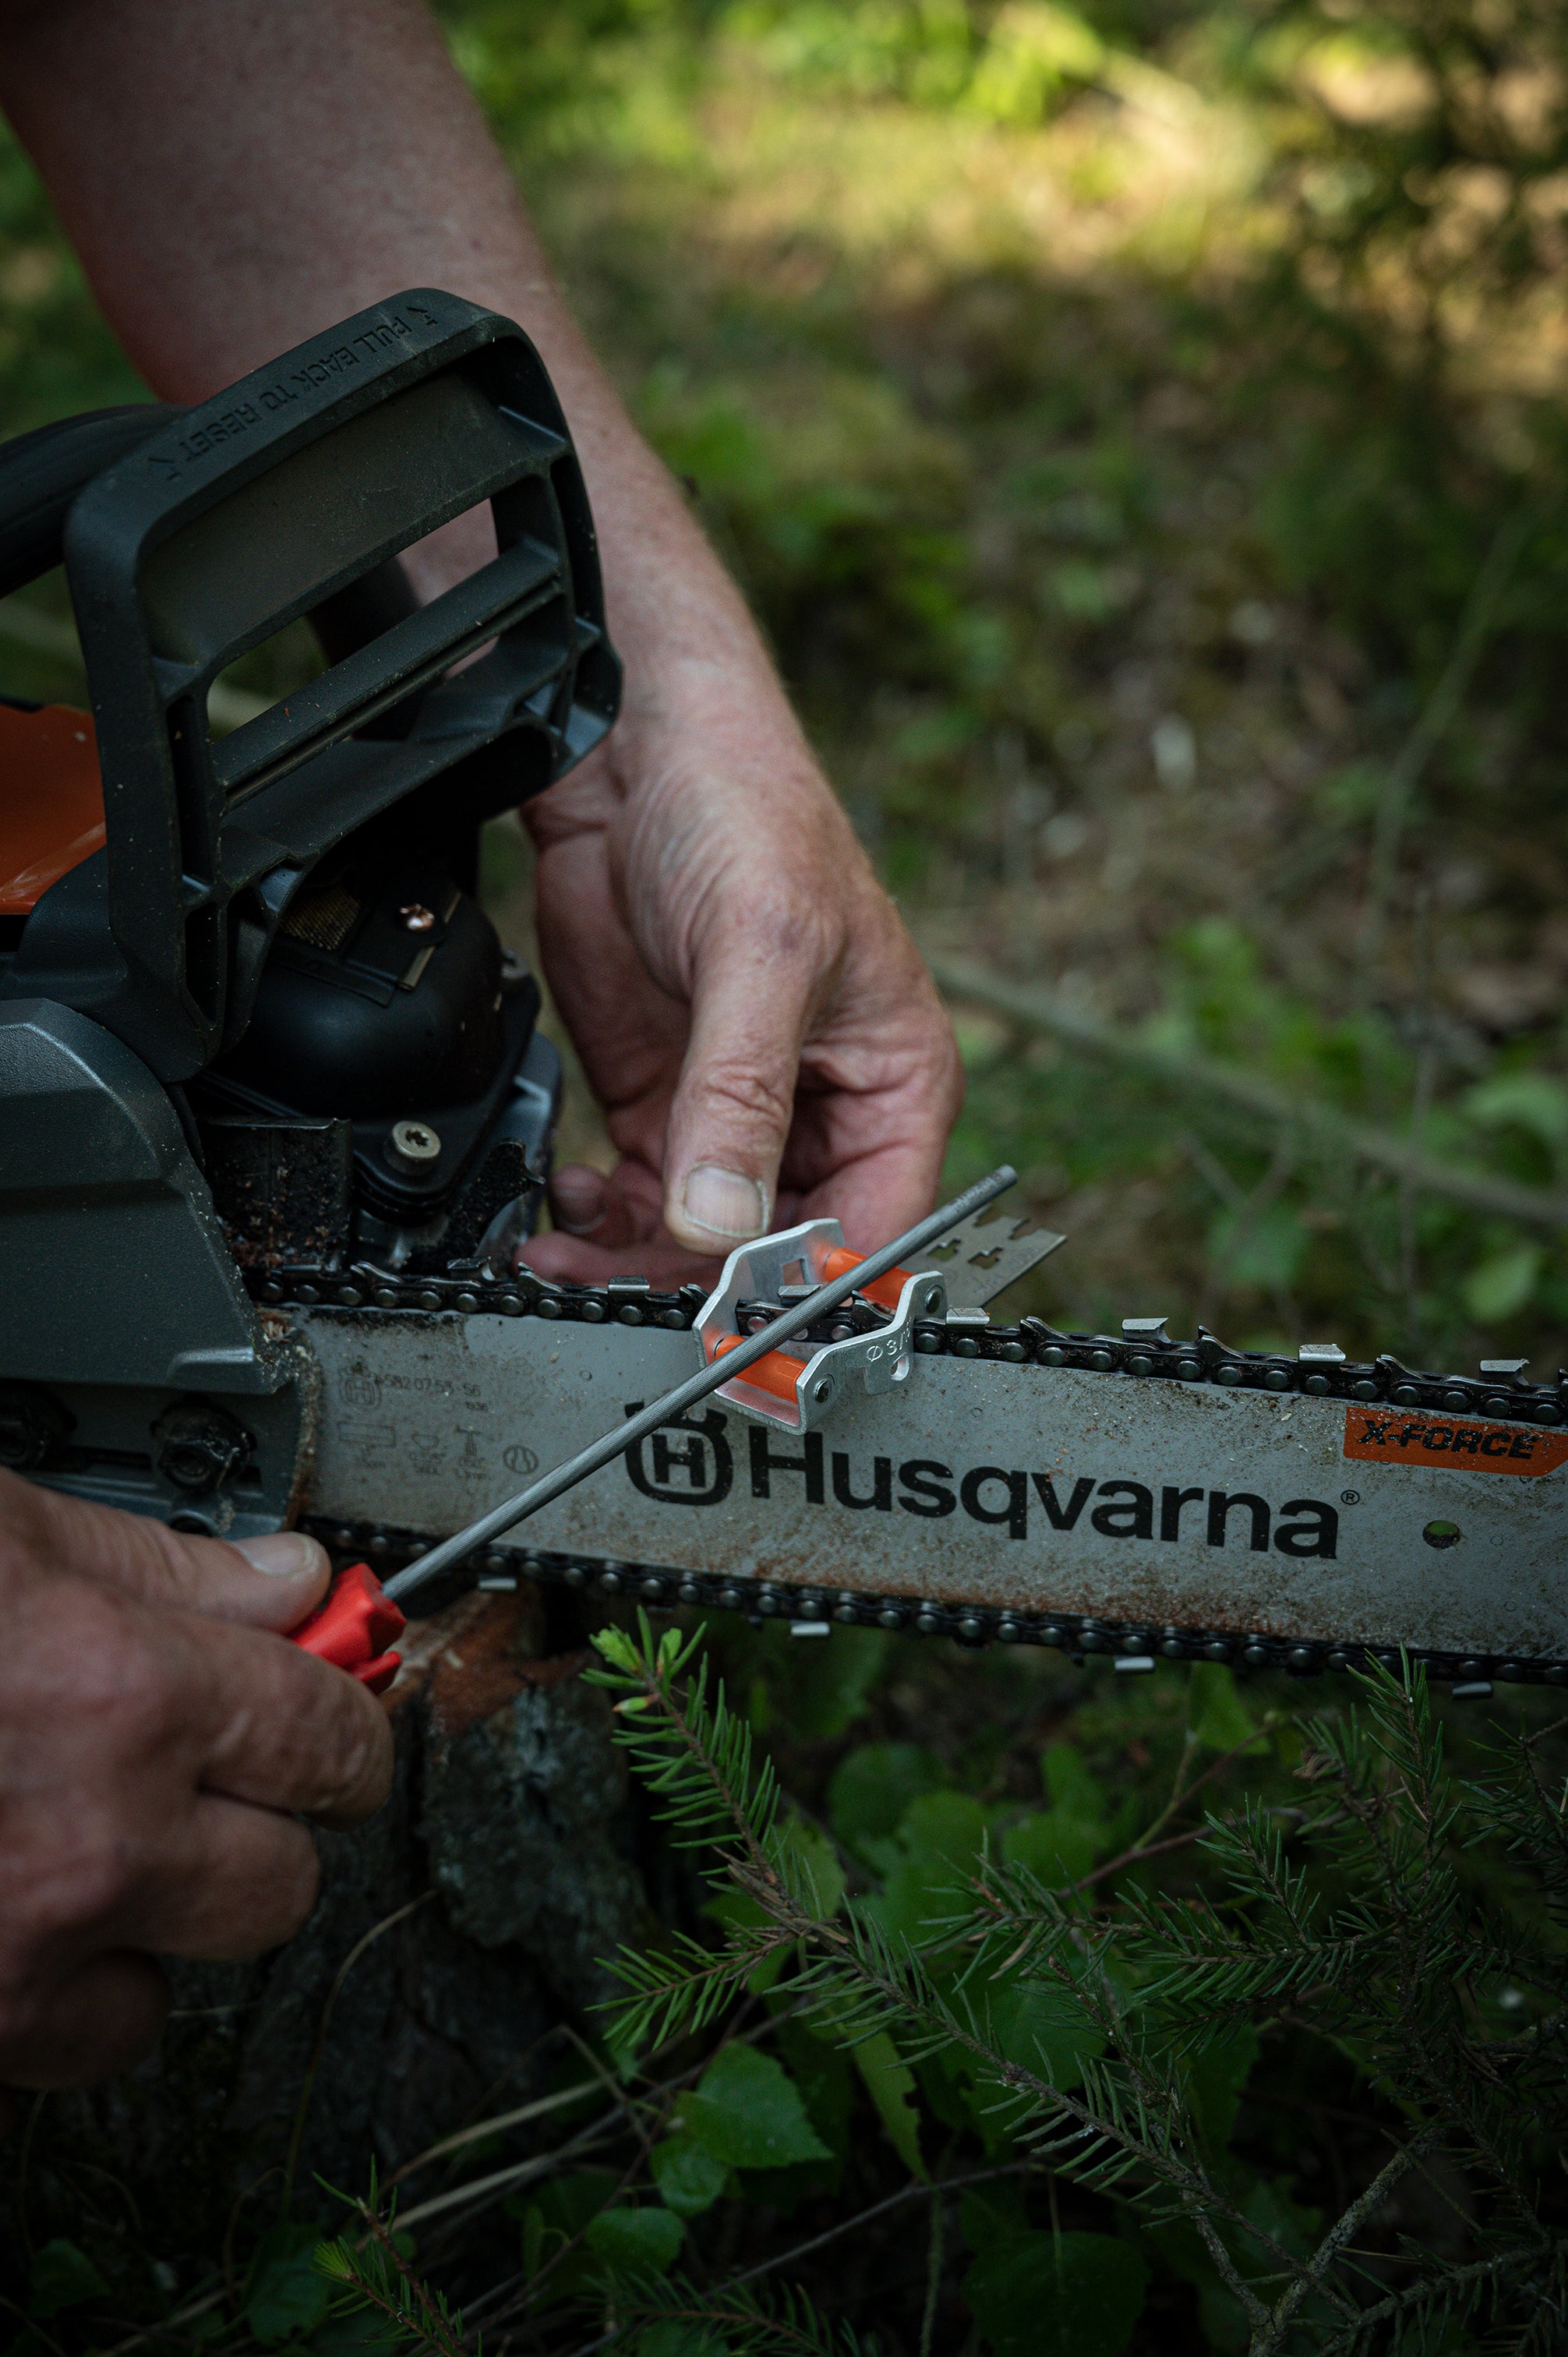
(1386, 1435)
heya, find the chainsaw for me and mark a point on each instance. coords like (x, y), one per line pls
(276, 1117)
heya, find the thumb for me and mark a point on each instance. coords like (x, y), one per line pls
(270, 1582)
(736, 1098)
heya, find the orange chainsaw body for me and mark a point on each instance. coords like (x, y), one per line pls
(52, 801)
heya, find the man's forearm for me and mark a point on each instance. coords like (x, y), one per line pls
(237, 177)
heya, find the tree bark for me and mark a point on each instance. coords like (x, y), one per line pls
(509, 1856)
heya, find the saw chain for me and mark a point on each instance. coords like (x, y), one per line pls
(1391, 1430)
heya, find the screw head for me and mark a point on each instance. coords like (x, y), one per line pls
(822, 1391)
(413, 1147)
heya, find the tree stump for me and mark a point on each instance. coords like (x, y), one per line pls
(454, 1932)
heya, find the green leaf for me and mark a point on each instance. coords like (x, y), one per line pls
(643, 2241)
(1265, 1249)
(746, 2112)
(367, 2334)
(1044, 2030)
(62, 2277)
(1215, 1713)
(815, 1865)
(822, 2071)
(689, 2178)
(1038, 2295)
(816, 1691)
(1061, 1843)
(891, 2083)
(1071, 1784)
(1530, 1101)
(1215, 2077)
(874, 1785)
(671, 2336)
(942, 1834)
(1502, 1285)
(740, 1908)
(567, 2203)
(1054, 1845)
(286, 2293)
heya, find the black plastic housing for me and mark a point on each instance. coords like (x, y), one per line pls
(280, 498)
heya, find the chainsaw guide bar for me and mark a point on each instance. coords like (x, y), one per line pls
(1131, 1496)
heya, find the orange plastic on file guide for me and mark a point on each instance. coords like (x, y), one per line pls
(778, 1372)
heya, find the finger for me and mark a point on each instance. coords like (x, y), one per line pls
(236, 1881)
(189, 1701)
(626, 1237)
(735, 1096)
(284, 1729)
(97, 2019)
(582, 1202)
(880, 1089)
(566, 1259)
(267, 1582)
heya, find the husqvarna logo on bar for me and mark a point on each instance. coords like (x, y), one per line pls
(690, 1463)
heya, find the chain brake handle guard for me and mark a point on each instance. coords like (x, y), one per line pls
(218, 528)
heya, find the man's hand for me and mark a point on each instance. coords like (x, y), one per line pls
(156, 1740)
(748, 1008)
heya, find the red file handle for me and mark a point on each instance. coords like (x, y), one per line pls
(353, 1628)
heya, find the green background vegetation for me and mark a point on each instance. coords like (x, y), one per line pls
(1140, 431)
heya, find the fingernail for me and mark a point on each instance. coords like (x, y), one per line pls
(289, 1554)
(723, 1202)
